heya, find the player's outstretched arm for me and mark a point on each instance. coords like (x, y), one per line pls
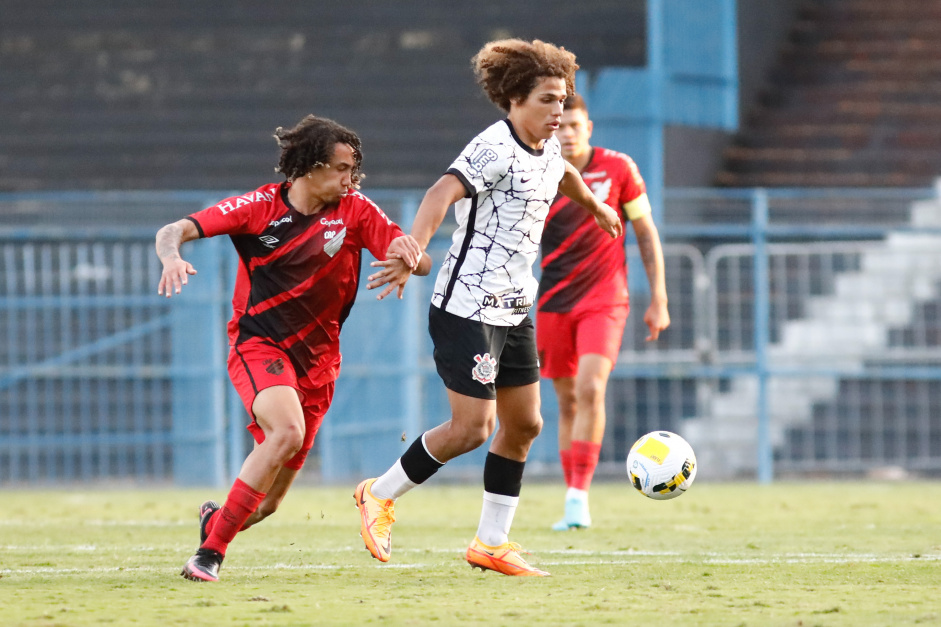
(657, 317)
(175, 269)
(574, 187)
(434, 206)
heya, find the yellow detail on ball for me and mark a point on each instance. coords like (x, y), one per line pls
(654, 450)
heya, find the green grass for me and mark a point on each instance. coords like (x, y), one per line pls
(723, 554)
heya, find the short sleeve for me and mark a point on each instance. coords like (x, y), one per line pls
(633, 191)
(481, 165)
(376, 229)
(228, 217)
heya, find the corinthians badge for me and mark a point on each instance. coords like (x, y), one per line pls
(486, 369)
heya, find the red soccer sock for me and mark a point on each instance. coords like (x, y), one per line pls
(566, 458)
(242, 501)
(584, 461)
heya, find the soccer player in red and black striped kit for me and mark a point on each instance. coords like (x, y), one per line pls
(300, 244)
(583, 301)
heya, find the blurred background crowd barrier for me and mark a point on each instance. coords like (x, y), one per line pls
(790, 150)
(803, 342)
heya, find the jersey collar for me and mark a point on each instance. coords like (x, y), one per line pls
(529, 149)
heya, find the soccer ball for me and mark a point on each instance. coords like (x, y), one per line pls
(661, 465)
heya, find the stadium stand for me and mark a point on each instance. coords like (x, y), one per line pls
(170, 94)
(853, 101)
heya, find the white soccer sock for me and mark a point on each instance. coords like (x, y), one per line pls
(576, 495)
(393, 484)
(496, 517)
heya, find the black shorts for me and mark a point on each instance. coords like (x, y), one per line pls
(475, 358)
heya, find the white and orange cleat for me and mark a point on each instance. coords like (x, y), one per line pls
(504, 559)
(376, 518)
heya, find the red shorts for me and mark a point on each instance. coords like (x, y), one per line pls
(562, 338)
(256, 366)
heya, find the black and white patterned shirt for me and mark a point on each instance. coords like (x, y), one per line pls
(487, 275)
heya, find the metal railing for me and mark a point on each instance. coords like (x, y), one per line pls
(102, 379)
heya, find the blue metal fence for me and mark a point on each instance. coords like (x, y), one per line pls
(102, 379)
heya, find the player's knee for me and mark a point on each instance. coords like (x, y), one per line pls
(528, 429)
(474, 436)
(469, 431)
(286, 441)
(590, 391)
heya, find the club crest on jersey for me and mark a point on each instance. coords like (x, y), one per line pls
(480, 160)
(334, 241)
(486, 369)
(601, 190)
(274, 366)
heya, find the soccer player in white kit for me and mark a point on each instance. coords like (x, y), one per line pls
(501, 185)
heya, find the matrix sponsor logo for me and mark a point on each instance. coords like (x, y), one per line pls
(519, 304)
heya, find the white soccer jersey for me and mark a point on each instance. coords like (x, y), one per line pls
(488, 273)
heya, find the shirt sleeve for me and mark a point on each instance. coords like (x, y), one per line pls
(376, 230)
(228, 217)
(481, 165)
(633, 191)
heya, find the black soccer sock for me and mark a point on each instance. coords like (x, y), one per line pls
(418, 463)
(502, 475)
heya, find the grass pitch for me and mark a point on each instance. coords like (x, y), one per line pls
(723, 554)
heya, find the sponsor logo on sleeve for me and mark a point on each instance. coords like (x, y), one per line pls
(480, 160)
(231, 204)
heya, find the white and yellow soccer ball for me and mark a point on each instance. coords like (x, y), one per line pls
(661, 465)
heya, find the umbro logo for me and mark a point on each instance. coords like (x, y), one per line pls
(269, 240)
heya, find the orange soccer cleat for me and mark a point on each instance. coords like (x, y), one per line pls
(504, 559)
(376, 518)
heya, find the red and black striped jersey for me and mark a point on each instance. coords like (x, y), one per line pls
(298, 274)
(583, 268)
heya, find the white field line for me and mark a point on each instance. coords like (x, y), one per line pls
(587, 558)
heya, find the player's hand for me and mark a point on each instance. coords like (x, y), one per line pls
(609, 220)
(657, 319)
(174, 276)
(394, 274)
(406, 248)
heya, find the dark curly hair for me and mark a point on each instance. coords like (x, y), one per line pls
(310, 145)
(509, 69)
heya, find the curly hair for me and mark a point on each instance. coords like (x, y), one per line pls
(310, 145)
(509, 69)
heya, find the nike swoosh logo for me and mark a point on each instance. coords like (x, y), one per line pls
(526, 180)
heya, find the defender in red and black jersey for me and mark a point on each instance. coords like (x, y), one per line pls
(300, 246)
(583, 300)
